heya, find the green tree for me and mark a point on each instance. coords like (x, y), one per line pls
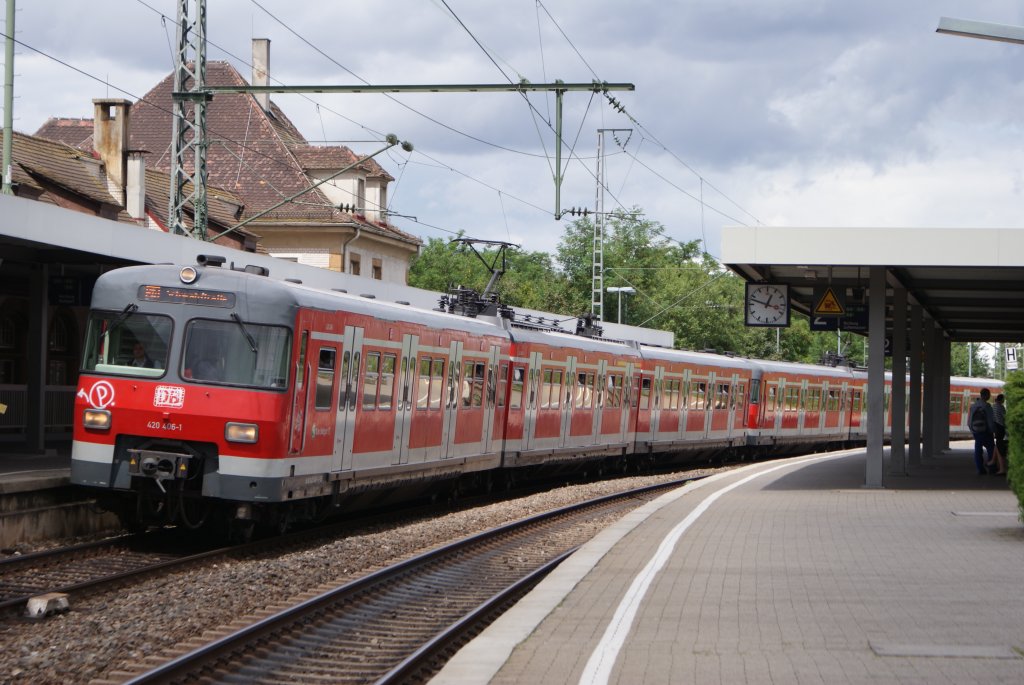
(530, 278)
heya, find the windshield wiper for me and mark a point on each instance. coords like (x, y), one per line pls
(128, 310)
(245, 331)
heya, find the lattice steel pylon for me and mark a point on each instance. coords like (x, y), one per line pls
(597, 289)
(188, 128)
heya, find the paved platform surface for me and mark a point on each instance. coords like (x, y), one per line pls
(24, 471)
(782, 572)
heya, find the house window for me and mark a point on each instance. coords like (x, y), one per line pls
(361, 196)
(353, 264)
(377, 269)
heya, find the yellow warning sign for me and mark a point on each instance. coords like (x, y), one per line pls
(829, 305)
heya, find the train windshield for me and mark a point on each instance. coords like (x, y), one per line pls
(236, 353)
(127, 342)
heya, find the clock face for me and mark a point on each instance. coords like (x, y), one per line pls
(767, 304)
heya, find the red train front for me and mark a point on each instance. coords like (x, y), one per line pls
(184, 378)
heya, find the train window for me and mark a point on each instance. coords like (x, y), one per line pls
(755, 390)
(772, 400)
(127, 343)
(515, 398)
(436, 383)
(300, 375)
(371, 379)
(387, 381)
(556, 389)
(645, 393)
(741, 396)
(346, 385)
(955, 406)
(832, 400)
(579, 391)
(238, 353)
(590, 390)
(479, 373)
(423, 384)
(697, 390)
(325, 378)
(722, 396)
(502, 384)
(453, 378)
(614, 399)
(792, 399)
(545, 390)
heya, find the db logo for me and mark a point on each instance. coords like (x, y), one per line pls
(100, 395)
(171, 396)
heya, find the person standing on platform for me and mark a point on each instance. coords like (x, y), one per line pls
(982, 424)
(999, 417)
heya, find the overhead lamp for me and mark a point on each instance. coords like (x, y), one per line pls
(1003, 33)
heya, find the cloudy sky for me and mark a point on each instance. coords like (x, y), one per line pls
(778, 112)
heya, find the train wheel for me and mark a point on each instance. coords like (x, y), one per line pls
(241, 531)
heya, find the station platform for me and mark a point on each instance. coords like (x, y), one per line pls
(23, 471)
(782, 572)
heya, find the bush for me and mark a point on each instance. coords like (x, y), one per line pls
(1014, 391)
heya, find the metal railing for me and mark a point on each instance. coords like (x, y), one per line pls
(58, 408)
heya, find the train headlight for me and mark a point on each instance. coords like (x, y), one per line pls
(98, 419)
(241, 432)
(188, 274)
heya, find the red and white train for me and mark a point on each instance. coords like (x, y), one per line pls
(213, 390)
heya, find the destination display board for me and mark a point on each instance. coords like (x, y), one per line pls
(206, 298)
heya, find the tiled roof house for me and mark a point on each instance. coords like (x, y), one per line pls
(257, 153)
(59, 166)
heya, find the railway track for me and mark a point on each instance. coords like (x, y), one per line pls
(399, 623)
(92, 566)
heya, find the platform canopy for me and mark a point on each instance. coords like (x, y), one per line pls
(969, 281)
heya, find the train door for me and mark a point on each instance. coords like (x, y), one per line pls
(630, 403)
(645, 412)
(737, 390)
(452, 399)
(656, 400)
(318, 434)
(301, 387)
(403, 403)
(530, 417)
(344, 420)
(713, 405)
(488, 398)
(569, 398)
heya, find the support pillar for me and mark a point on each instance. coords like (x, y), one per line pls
(928, 404)
(897, 453)
(914, 400)
(876, 377)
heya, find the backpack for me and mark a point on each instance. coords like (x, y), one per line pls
(979, 423)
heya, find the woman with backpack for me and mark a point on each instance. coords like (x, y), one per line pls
(982, 424)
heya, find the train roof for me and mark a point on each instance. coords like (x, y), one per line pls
(810, 369)
(694, 357)
(274, 300)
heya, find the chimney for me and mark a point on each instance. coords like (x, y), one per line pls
(135, 186)
(110, 137)
(261, 70)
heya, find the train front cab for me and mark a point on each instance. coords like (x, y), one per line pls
(212, 385)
